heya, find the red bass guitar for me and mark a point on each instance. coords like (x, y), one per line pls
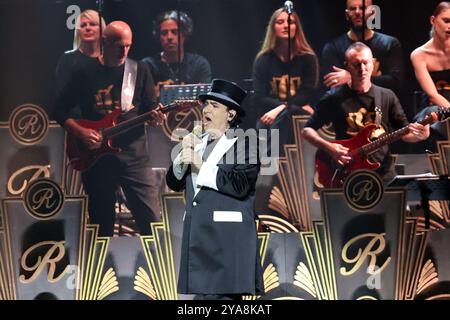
(81, 158)
(331, 174)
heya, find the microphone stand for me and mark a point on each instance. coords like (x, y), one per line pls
(364, 21)
(288, 87)
(100, 14)
(178, 79)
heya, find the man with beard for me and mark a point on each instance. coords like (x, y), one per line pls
(387, 50)
(173, 65)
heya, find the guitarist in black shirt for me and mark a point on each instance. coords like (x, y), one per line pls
(98, 89)
(354, 106)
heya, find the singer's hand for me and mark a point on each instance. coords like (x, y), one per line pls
(190, 141)
(189, 156)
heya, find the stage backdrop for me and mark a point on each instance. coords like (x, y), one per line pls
(227, 32)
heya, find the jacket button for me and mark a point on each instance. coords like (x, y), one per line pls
(194, 204)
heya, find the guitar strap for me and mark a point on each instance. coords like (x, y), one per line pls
(128, 85)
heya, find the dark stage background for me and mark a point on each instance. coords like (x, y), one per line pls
(33, 34)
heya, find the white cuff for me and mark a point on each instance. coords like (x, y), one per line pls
(207, 176)
(178, 168)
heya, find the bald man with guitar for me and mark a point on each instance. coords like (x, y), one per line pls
(113, 92)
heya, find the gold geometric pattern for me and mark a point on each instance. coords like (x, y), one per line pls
(410, 262)
(318, 279)
(293, 200)
(109, 284)
(263, 238)
(278, 203)
(320, 262)
(440, 166)
(72, 181)
(271, 281)
(93, 254)
(159, 256)
(143, 284)
(444, 296)
(291, 175)
(268, 277)
(303, 279)
(438, 216)
(428, 277)
(7, 286)
(277, 225)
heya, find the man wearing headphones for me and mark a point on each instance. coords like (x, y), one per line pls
(173, 65)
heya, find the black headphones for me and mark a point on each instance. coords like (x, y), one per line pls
(186, 25)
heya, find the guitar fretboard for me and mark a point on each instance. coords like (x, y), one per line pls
(136, 121)
(396, 135)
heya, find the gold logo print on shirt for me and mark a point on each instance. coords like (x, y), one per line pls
(358, 120)
(279, 86)
(104, 101)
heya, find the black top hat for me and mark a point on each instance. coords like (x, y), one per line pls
(227, 93)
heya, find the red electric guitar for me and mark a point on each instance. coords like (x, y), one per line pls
(81, 158)
(330, 174)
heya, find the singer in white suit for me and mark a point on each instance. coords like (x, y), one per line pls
(220, 251)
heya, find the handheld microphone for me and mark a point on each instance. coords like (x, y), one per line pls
(289, 7)
(198, 132)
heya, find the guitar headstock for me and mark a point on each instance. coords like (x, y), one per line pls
(442, 113)
(430, 119)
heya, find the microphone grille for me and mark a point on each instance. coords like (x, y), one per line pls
(197, 131)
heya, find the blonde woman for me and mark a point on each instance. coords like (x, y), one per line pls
(272, 69)
(86, 46)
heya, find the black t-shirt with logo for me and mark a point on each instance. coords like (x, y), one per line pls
(96, 89)
(350, 111)
(270, 78)
(68, 65)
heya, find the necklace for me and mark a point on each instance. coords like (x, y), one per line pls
(174, 72)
